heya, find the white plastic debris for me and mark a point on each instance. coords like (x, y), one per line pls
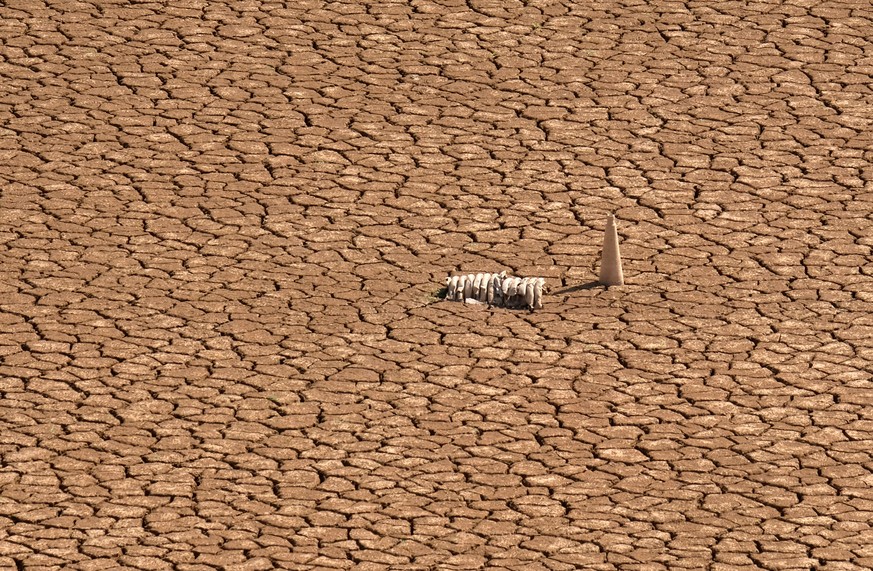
(496, 290)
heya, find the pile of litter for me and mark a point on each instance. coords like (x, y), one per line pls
(496, 290)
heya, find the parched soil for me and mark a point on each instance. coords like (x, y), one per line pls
(224, 230)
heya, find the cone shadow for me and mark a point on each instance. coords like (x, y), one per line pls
(580, 287)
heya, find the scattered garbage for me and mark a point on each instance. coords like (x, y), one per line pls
(496, 290)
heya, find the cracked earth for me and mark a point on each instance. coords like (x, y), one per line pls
(224, 230)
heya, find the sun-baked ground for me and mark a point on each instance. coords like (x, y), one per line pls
(224, 230)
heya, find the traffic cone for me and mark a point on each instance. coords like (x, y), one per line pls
(610, 258)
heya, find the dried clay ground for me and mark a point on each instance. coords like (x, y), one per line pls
(225, 227)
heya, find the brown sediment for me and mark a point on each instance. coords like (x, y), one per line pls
(223, 224)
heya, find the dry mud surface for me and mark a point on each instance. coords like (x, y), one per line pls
(224, 230)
